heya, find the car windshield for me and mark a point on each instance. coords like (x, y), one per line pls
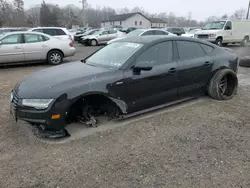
(135, 33)
(108, 59)
(192, 31)
(214, 25)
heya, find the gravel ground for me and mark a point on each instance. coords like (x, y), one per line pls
(202, 143)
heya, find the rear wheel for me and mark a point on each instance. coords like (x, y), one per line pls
(244, 41)
(223, 85)
(55, 57)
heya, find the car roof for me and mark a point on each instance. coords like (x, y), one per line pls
(160, 38)
(26, 32)
(48, 28)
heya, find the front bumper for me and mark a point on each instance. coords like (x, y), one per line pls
(40, 117)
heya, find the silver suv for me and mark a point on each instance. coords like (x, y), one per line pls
(101, 37)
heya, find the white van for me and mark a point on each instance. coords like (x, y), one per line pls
(225, 31)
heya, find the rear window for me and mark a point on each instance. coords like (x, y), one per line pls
(60, 32)
(51, 32)
(206, 48)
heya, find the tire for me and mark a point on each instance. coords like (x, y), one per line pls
(245, 62)
(244, 42)
(55, 57)
(218, 41)
(93, 42)
(215, 89)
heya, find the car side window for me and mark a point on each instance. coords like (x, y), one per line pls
(148, 33)
(60, 32)
(206, 48)
(189, 50)
(32, 38)
(51, 32)
(157, 32)
(38, 30)
(12, 39)
(170, 30)
(105, 32)
(228, 25)
(112, 31)
(158, 54)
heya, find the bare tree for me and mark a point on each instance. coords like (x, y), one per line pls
(239, 14)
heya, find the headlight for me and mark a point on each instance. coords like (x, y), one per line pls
(39, 104)
(212, 35)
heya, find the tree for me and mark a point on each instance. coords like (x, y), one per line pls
(18, 6)
(239, 14)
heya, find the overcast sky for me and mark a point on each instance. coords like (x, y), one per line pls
(200, 9)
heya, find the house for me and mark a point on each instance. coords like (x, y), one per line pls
(136, 19)
(157, 23)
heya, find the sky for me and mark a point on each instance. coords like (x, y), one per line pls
(200, 9)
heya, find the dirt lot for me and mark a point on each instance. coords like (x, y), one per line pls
(201, 143)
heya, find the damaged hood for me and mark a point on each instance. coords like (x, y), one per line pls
(55, 81)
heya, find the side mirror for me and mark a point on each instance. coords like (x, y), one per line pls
(228, 28)
(141, 66)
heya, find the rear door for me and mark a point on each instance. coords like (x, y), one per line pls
(195, 68)
(35, 47)
(11, 49)
(112, 34)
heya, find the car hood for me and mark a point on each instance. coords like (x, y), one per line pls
(207, 31)
(187, 35)
(55, 81)
(116, 39)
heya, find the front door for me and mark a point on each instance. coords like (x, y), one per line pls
(195, 68)
(154, 87)
(228, 33)
(104, 37)
(35, 47)
(11, 49)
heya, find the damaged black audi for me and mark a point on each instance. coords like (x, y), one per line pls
(125, 78)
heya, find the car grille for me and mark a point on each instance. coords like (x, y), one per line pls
(14, 103)
(202, 36)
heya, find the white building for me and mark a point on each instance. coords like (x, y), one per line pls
(136, 20)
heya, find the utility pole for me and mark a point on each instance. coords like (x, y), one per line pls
(83, 12)
(248, 9)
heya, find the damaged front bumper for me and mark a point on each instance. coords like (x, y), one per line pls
(53, 118)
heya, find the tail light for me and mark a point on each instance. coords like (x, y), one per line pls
(71, 44)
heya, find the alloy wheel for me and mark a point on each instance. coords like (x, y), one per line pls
(55, 58)
(223, 85)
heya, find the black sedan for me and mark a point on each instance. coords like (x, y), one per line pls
(128, 77)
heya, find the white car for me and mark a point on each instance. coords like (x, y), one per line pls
(26, 47)
(102, 36)
(143, 32)
(58, 32)
(190, 33)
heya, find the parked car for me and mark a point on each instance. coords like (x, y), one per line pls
(12, 29)
(87, 33)
(190, 33)
(125, 78)
(128, 30)
(176, 30)
(23, 47)
(80, 33)
(101, 37)
(143, 32)
(58, 32)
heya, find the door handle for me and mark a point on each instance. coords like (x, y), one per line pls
(172, 70)
(44, 46)
(17, 47)
(207, 64)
